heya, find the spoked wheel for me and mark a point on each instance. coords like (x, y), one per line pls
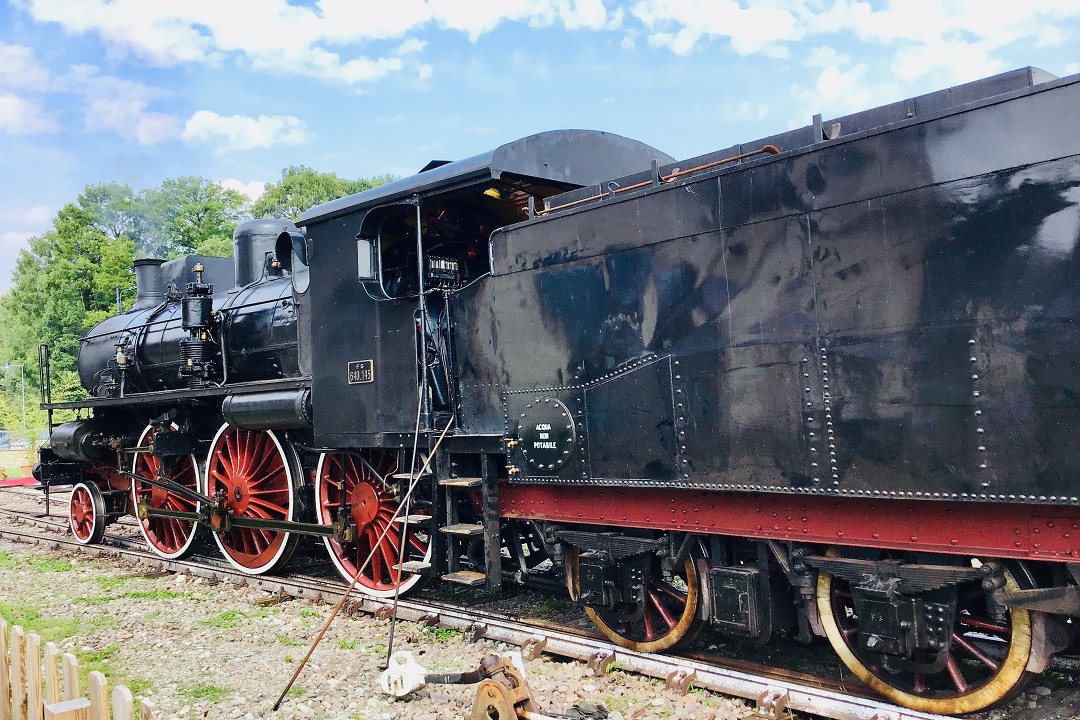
(170, 538)
(986, 664)
(371, 507)
(86, 514)
(670, 620)
(254, 472)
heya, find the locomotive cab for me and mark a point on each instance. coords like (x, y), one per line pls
(388, 259)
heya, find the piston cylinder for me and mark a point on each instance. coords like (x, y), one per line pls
(279, 410)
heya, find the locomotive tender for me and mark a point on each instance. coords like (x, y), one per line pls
(823, 383)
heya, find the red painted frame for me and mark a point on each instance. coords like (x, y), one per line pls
(1042, 532)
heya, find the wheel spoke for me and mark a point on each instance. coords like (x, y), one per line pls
(956, 675)
(268, 509)
(982, 625)
(650, 629)
(975, 652)
(671, 592)
(656, 602)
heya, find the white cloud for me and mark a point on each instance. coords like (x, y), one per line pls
(37, 218)
(425, 72)
(825, 56)
(12, 240)
(252, 190)
(840, 91)
(1072, 68)
(411, 45)
(19, 69)
(242, 132)
(966, 61)
(280, 37)
(681, 24)
(19, 116)
(23, 223)
(153, 128)
(120, 106)
(947, 40)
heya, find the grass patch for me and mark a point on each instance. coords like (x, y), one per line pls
(205, 691)
(378, 650)
(48, 564)
(617, 703)
(97, 656)
(225, 620)
(91, 660)
(553, 607)
(310, 612)
(110, 583)
(93, 600)
(297, 690)
(139, 687)
(286, 640)
(157, 594)
(441, 633)
(134, 594)
(347, 644)
(29, 618)
(7, 560)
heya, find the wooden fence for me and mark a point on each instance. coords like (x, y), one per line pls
(22, 679)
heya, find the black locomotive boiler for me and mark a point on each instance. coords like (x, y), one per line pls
(825, 383)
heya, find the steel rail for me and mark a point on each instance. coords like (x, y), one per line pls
(772, 694)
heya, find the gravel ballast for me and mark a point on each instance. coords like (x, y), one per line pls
(197, 649)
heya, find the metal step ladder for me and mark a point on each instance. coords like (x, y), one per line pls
(458, 536)
(419, 517)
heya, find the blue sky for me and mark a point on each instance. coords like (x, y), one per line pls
(137, 91)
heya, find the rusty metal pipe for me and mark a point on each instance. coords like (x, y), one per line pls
(770, 149)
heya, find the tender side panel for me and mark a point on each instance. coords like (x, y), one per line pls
(888, 316)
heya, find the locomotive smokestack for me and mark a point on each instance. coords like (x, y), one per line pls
(148, 281)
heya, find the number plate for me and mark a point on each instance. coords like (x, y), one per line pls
(361, 371)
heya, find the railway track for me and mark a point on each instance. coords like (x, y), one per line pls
(773, 691)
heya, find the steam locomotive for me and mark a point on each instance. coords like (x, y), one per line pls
(825, 383)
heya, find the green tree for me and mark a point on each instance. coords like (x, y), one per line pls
(301, 188)
(187, 213)
(114, 209)
(62, 286)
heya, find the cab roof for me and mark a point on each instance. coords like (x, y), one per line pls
(565, 158)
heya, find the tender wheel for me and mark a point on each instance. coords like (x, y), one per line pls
(986, 664)
(254, 473)
(371, 507)
(86, 514)
(671, 616)
(168, 537)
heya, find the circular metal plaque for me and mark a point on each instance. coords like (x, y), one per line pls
(547, 434)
